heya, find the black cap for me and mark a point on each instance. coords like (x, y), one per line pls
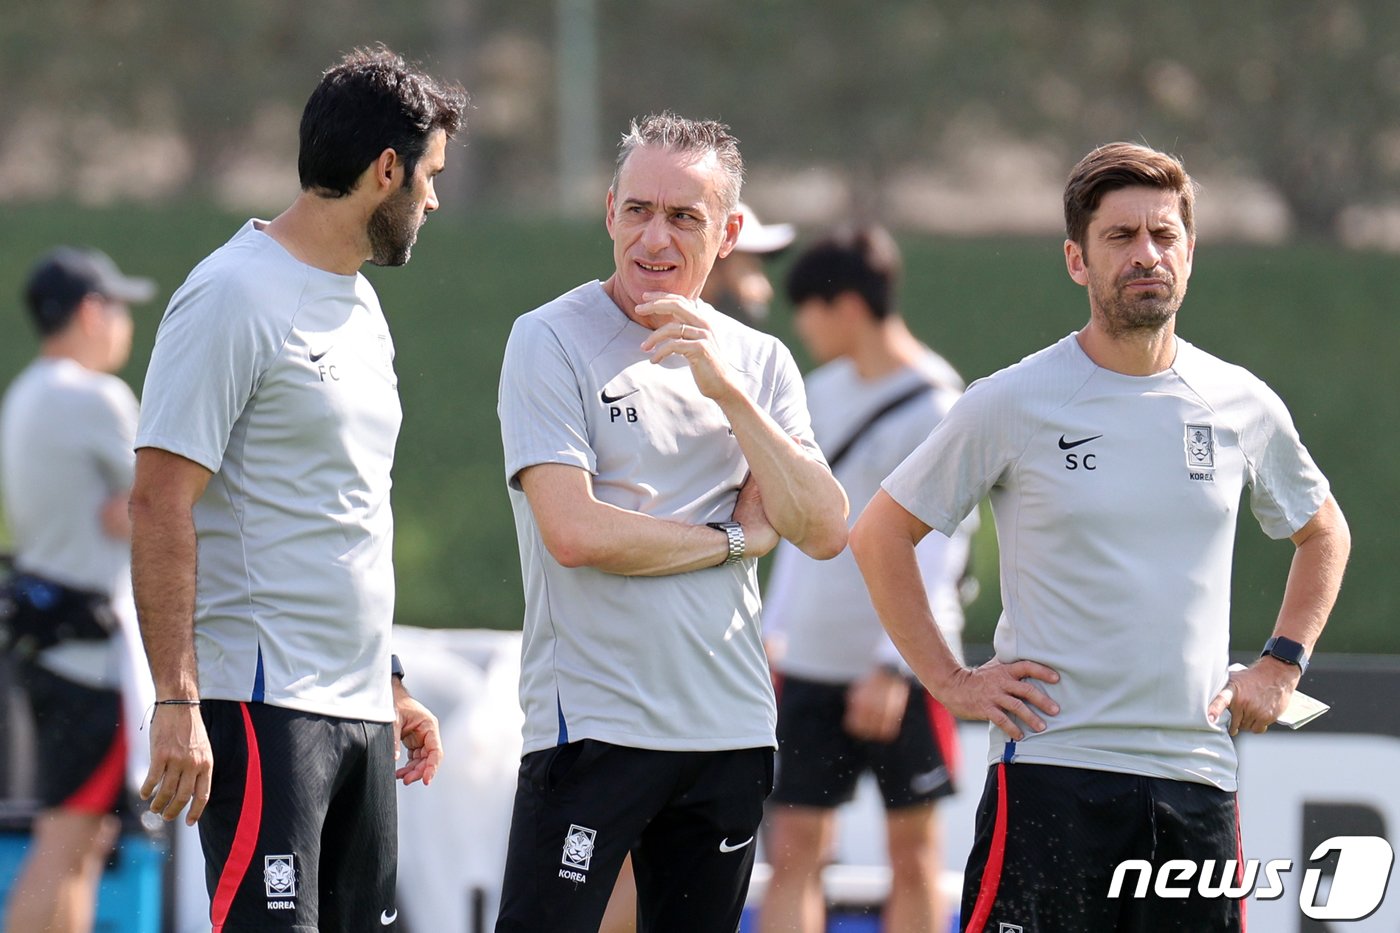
(62, 279)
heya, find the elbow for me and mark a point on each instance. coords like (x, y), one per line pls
(827, 544)
(869, 542)
(1343, 534)
(827, 537)
(571, 550)
(142, 510)
(860, 539)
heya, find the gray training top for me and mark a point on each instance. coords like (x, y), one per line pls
(279, 378)
(1116, 499)
(65, 449)
(821, 610)
(672, 662)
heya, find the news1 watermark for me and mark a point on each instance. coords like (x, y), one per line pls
(1358, 882)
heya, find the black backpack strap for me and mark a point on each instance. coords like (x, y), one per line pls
(918, 391)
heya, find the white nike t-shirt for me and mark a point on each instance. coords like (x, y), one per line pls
(820, 610)
(279, 378)
(1116, 500)
(671, 662)
(65, 450)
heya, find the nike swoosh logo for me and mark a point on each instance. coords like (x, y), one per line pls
(1070, 445)
(609, 399)
(316, 358)
(928, 781)
(724, 845)
(387, 918)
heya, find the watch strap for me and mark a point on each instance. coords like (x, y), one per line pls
(735, 533)
(395, 667)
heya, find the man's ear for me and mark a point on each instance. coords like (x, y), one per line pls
(90, 314)
(385, 168)
(1074, 262)
(732, 225)
(608, 217)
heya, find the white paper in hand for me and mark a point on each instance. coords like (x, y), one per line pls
(1301, 709)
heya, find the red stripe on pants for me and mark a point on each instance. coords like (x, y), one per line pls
(245, 837)
(991, 871)
(1239, 865)
(98, 794)
(945, 733)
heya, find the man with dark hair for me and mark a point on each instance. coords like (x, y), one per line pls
(1115, 460)
(66, 428)
(653, 449)
(846, 704)
(265, 446)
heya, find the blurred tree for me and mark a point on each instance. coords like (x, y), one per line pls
(205, 70)
(1304, 96)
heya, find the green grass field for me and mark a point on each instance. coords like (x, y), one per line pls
(1314, 322)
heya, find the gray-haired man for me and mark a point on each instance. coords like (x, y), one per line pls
(654, 448)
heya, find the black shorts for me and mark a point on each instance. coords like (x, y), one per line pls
(1048, 839)
(819, 762)
(689, 820)
(300, 832)
(84, 748)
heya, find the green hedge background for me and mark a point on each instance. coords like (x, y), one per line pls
(1317, 323)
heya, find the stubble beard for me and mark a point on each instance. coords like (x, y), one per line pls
(393, 229)
(1126, 315)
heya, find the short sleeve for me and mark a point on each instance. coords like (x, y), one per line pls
(789, 406)
(540, 403)
(889, 442)
(960, 461)
(210, 351)
(1286, 487)
(112, 434)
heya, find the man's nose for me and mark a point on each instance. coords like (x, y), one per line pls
(656, 234)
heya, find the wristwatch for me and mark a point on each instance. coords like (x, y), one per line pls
(395, 667)
(735, 532)
(1288, 651)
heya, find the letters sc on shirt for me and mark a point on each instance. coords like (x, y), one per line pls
(1079, 460)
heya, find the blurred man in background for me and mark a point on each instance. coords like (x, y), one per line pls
(738, 285)
(66, 466)
(1115, 460)
(265, 447)
(846, 702)
(653, 449)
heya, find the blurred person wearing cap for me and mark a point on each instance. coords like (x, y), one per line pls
(268, 425)
(66, 466)
(738, 284)
(847, 704)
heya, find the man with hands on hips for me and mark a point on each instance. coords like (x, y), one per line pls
(1115, 460)
(654, 448)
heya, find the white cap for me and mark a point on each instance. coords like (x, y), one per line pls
(756, 237)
